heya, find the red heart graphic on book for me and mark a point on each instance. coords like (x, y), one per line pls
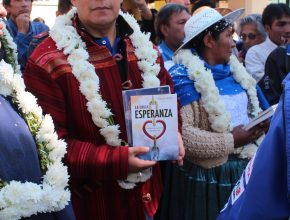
(150, 129)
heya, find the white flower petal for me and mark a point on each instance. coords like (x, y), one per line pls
(26, 101)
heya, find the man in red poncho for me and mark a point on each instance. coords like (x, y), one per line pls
(78, 74)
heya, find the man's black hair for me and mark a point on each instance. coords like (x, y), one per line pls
(274, 11)
(164, 14)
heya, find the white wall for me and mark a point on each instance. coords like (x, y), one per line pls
(45, 9)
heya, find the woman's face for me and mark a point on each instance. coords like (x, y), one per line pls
(222, 47)
(250, 36)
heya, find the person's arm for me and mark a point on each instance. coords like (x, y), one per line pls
(200, 143)
(84, 159)
(147, 18)
(148, 26)
(254, 65)
(203, 143)
(144, 10)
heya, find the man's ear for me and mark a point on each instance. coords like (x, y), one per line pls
(208, 41)
(267, 28)
(164, 30)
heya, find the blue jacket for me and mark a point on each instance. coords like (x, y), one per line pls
(23, 40)
(263, 191)
(18, 156)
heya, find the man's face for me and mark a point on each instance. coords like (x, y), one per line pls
(181, 2)
(17, 7)
(174, 31)
(279, 32)
(98, 14)
(250, 35)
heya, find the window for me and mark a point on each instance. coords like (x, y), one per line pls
(280, 1)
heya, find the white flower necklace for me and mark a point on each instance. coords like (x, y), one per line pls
(204, 83)
(18, 199)
(10, 49)
(68, 40)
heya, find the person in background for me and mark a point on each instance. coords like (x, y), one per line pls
(170, 30)
(263, 189)
(39, 19)
(251, 32)
(78, 74)
(276, 21)
(20, 27)
(223, 12)
(148, 16)
(215, 93)
(62, 8)
(28, 191)
(276, 69)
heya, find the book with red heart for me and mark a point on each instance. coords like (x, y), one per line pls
(155, 125)
(126, 94)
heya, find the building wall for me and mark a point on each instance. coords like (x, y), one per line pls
(45, 9)
(250, 5)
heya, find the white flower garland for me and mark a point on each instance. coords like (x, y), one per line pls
(12, 46)
(18, 199)
(68, 40)
(205, 85)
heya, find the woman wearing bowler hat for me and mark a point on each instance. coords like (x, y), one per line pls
(218, 98)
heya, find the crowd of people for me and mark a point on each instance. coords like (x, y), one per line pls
(63, 133)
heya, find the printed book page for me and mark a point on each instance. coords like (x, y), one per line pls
(155, 125)
(264, 115)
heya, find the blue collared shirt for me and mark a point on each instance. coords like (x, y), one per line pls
(104, 41)
(167, 55)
